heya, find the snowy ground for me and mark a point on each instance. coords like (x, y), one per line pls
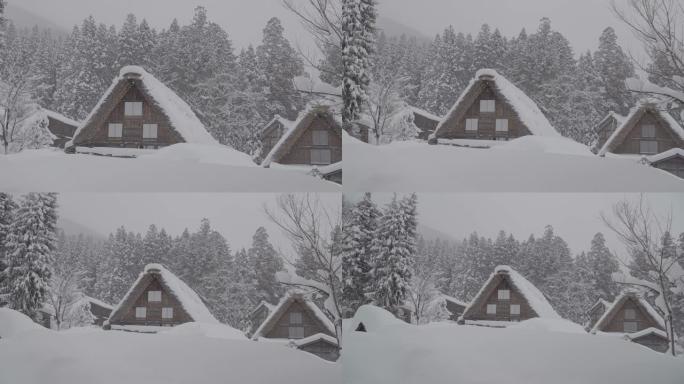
(531, 164)
(179, 168)
(539, 352)
(90, 355)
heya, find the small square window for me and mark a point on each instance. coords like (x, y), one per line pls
(491, 309)
(648, 131)
(502, 125)
(320, 138)
(515, 309)
(295, 317)
(149, 131)
(648, 147)
(167, 313)
(487, 106)
(296, 332)
(630, 314)
(154, 296)
(133, 108)
(471, 125)
(115, 130)
(321, 157)
(140, 312)
(630, 326)
(504, 294)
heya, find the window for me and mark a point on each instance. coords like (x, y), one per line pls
(295, 317)
(502, 125)
(630, 314)
(133, 108)
(515, 309)
(504, 294)
(648, 147)
(149, 131)
(471, 124)
(320, 137)
(154, 296)
(140, 312)
(630, 326)
(320, 156)
(487, 105)
(296, 332)
(115, 130)
(491, 309)
(167, 313)
(648, 131)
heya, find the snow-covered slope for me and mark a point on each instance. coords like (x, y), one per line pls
(13, 324)
(535, 354)
(526, 165)
(178, 168)
(112, 357)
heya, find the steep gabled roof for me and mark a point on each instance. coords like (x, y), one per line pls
(619, 119)
(674, 152)
(59, 117)
(187, 298)
(315, 338)
(426, 114)
(647, 332)
(271, 125)
(263, 304)
(180, 115)
(610, 313)
(534, 297)
(454, 300)
(281, 308)
(296, 129)
(528, 111)
(647, 105)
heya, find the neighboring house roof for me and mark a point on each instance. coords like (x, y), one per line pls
(612, 115)
(425, 113)
(454, 300)
(612, 310)
(59, 117)
(271, 124)
(528, 111)
(279, 310)
(295, 131)
(647, 105)
(599, 302)
(314, 338)
(98, 302)
(180, 115)
(646, 332)
(535, 298)
(188, 298)
(674, 152)
(263, 304)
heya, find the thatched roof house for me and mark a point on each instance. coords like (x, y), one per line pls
(492, 108)
(631, 316)
(647, 130)
(139, 111)
(158, 298)
(671, 161)
(455, 307)
(507, 297)
(300, 323)
(605, 128)
(425, 121)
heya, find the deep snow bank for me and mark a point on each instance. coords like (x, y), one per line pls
(13, 323)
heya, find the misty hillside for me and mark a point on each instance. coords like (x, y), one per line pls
(430, 234)
(73, 228)
(26, 19)
(392, 27)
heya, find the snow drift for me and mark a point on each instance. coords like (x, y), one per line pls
(13, 323)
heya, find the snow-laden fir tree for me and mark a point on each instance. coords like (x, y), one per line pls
(393, 250)
(600, 265)
(7, 209)
(357, 257)
(358, 37)
(266, 263)
(30, 247)
(123, 261)
(614, 67)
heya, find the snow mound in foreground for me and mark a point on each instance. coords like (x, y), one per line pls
(558, 145)
(13, 323)
(449, 353)
(374, 319)
(549, 325)
(202, 153)
(216, 331)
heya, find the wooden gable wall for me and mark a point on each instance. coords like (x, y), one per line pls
(455, 127)
(617, 321)
(154, 309)
(502, 306)
(311, 324)
(632, 140)
(300, 151)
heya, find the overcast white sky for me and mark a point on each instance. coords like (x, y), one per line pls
(235, 216)
(575, 217)
(581, 21)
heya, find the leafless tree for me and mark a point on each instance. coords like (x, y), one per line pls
(659, 25)
(64, 292)
(314, 231)
(386, 108)
(641, 231)
(423, 291)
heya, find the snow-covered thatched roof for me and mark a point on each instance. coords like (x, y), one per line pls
(619, 302)
(281, 308)
(634, 116)
(59, 117)
(534, 297)
(527, 110)
(297, 128)
(180, 115)
(189, 300)
(674, 152)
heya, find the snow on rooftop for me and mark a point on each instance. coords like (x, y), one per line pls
(665, 155)
(313, 338)
(609, 313)
(280, 308)
(528, 111)
(646, 332)
(374, 319)
(59, 117)
(180, 114)
(425, 113)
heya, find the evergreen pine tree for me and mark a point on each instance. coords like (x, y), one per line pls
(266, 263)
(358, 32)
(614, 67)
